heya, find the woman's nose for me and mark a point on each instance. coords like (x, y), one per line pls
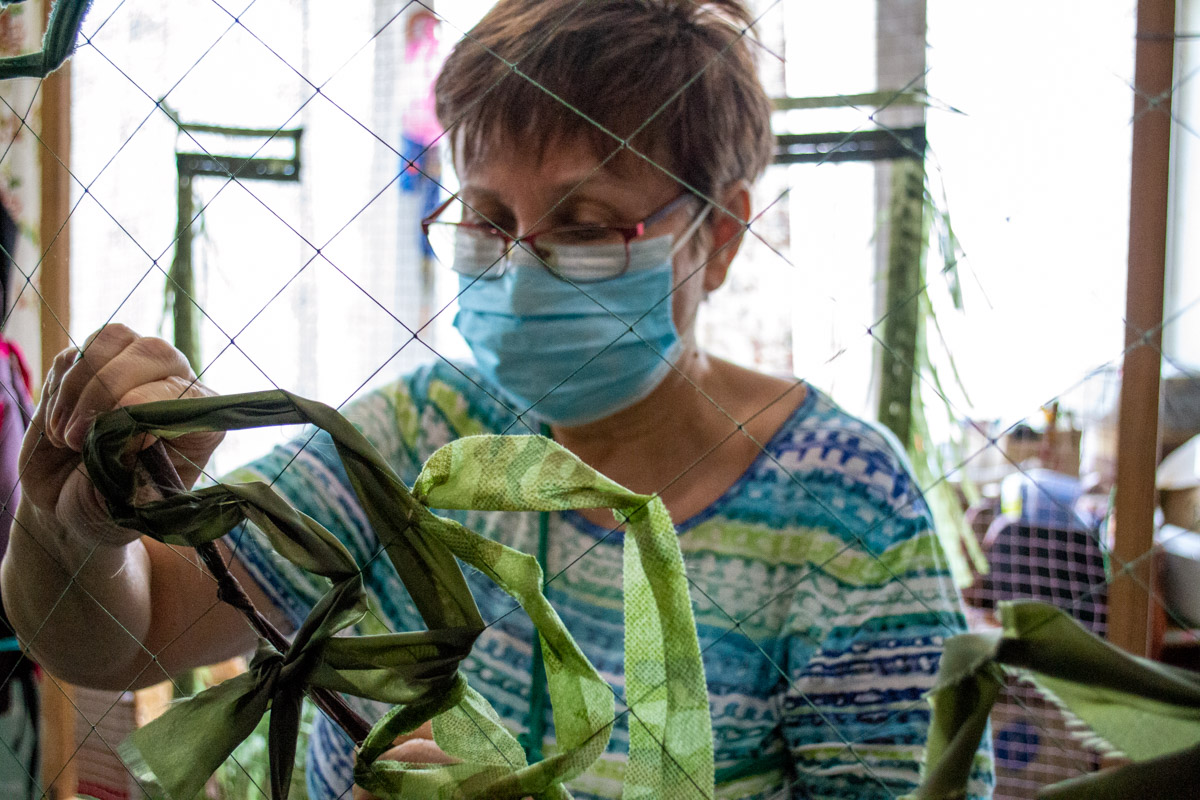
(525, 228)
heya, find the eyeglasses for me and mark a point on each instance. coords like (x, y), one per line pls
(576, 253)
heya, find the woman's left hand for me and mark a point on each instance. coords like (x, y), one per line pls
(417, 747)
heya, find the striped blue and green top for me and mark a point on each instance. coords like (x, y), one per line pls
(821, 596)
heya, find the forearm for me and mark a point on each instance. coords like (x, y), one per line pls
(83, 608)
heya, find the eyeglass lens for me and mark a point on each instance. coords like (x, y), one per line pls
(578, 253)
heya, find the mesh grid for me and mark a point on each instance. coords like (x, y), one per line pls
(343, 245)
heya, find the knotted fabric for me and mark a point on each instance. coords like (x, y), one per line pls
(670, 750)
(1145, 711)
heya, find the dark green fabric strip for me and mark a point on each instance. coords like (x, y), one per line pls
(417, 670)
(62, 31)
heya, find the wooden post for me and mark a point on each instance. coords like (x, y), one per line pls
(1137, 435)
(57, 738)
(54, 157)
(54, 237)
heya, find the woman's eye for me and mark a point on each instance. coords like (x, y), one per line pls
(485, 219)
(582, 234)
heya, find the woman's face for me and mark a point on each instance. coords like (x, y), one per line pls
(523, 194)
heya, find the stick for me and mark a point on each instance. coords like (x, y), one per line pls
(229, 589)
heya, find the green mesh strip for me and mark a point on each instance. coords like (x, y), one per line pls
(670, 753)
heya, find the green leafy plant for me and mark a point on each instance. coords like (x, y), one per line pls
(909, 373)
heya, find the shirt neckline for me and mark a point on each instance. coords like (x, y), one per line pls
(770, 448)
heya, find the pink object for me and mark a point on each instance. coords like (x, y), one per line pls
(16, 410)
(422, 61)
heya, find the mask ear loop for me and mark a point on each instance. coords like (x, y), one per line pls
(691, 229)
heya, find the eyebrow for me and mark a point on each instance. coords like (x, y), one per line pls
(601, 174)
(576, 187)
(571, 195)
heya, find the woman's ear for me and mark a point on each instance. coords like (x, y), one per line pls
(727, 221)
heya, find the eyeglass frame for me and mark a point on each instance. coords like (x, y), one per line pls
(627, 232)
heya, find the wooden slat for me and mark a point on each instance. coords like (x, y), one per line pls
(54, 157)
(57, 738)
(58, 713)
(1129, 618)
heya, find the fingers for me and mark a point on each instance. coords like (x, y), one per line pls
(418, 751)
(422, 751)
(417, 747)
(62, 362)
(414, 751)
(45, 464)
(188, 453)
(115, 367)
(423, 732)
(111, 368)
(69, 365)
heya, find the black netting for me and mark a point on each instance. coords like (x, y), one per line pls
(940, 243)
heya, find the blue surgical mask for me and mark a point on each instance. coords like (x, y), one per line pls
(566, 351)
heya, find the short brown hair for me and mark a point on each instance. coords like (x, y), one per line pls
(539, 71)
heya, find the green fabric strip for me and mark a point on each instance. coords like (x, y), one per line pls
(62, 29)
(670, 729)
(1148, 711)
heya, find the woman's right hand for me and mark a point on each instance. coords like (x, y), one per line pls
(74, 583)
(115, 368)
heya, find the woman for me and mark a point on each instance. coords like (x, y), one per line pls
(605, 151)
